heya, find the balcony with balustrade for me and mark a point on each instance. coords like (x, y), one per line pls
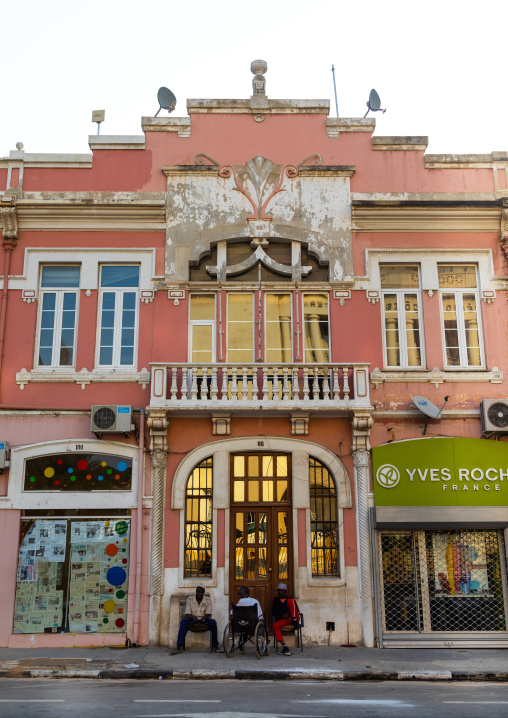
(232, 387)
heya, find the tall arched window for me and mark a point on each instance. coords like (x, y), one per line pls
(324, 526)
(198, 521)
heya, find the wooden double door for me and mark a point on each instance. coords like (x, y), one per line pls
(261, 532)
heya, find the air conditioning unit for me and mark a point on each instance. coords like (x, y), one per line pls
(111, 419)
(494, 414)
(4, 454)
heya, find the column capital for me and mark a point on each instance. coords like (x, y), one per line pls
(361, 457)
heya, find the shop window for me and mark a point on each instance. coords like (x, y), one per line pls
(118, 316)
(58, 311)
(78, 472)
(444, 581)
(400, 285)
(460, 315)
(72, 576)
(324, 526)
(198, 521)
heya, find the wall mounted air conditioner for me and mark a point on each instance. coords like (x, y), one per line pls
(111, 419)
(494, 414)
(4, 456)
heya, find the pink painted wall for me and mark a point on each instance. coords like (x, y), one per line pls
(9, 539)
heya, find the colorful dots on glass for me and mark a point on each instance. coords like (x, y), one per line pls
(78, 472)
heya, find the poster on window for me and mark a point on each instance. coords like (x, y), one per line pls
(460, 564)
(73, 576)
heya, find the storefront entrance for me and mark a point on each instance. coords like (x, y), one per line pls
(447, 586)
(261, 546)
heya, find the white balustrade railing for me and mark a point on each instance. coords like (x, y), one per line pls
(262, 385)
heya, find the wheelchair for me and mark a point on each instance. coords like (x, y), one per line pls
(245, 627)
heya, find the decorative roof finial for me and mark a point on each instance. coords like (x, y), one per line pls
(258, 68)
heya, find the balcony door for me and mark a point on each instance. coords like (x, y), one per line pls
(261, 535)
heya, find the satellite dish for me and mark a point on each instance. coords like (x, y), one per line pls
(166, 100)
(374, 103)
(429, 409)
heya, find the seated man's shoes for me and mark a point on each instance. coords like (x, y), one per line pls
(285, 651)
(177, 650)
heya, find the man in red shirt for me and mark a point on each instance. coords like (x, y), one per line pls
(284, 611)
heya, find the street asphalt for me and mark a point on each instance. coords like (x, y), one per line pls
(314, 663)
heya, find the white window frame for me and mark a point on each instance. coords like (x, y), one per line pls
(117, 328)
(401, 319)
(461, 326)
(57, 328)
(304, 349)
(203, 323)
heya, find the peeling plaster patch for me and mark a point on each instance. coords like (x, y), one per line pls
(338, 270)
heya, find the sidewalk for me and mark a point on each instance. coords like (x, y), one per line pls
(315, 663)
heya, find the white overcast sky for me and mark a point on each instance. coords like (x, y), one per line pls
(439, 66)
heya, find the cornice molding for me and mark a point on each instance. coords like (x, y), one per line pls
(436, 377)
(425, 219)
(93, 212)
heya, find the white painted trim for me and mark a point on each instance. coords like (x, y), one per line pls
(428, 259)
(18, 499)
(89, 258)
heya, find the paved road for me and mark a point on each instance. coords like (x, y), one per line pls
(247, 699)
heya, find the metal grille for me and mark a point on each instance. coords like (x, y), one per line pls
(442, 581)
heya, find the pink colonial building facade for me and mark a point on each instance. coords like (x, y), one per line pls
(212, 336)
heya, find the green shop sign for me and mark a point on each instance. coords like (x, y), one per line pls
(441, 472)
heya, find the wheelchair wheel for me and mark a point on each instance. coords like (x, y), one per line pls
(231, 641)
(261, 640)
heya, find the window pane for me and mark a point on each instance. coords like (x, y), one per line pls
(278, 327)
(324, 523)
(282, 465)
(267, 490)
(412, 329)
(202, 307)
(239, 466)
(239, 536)
(253, 464)
(202, 337)
(267, 465)
(238, 491)
(399, 276)
(198, 521)
(119, 276)
(240, 328)
(60, 276)
(253, 491)
(457, 276)
(106, 356)
(315, 311)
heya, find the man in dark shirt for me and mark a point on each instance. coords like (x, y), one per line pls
(284, 611)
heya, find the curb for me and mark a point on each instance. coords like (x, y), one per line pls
(145, 674)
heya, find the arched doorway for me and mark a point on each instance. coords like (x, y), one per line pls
(261, 546)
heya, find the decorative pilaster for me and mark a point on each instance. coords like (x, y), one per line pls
(158, 424)
(362, 423)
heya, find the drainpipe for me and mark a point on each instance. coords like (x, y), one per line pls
(139, 525)
(10, 239)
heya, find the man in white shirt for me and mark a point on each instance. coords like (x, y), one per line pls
(246, 600)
